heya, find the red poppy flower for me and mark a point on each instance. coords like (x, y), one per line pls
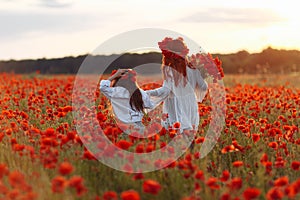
(290, 191)
(235, 183)
(238, 163)
(110, 195)
(140, 148)
(176, 125)
(123, 144)
(282, 181)
(151, 186)
(199, 175)
(88, 155)
(255, 137)
(251, 193)
(138, 176)
(212, 183)
(150, 148)
(77, 183)
(264, 158)
(59, 184)
(295, 165)
(225, 176)
(130, 195)
(274, 193)
(225, 196)
(16, 179)
(273, 145)
(65, 168)
(199, 140)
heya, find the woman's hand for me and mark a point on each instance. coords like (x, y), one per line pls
(200, 66)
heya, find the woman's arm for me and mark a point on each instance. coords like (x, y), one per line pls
(162, 91)
(200, 81)
(201, 86)
(156, 96)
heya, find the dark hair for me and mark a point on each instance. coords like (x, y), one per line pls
(136, 99)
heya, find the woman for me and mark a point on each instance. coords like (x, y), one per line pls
(129, 102)
(185, 82)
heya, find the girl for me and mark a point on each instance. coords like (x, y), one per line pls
(129, 102)
(185, 82)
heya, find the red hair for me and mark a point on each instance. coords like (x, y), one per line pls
(174, 55)
(179, 65)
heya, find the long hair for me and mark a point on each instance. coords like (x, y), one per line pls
(174, 55)
(179, 65)
(129, 82)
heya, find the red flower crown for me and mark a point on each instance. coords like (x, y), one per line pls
(173, 48)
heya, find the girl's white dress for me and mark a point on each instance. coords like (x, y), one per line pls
(119, 97)
(181, 104)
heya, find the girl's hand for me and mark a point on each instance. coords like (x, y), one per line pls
(119, 73)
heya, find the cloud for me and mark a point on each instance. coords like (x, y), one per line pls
(55, 3)
(21, 23)
(41, 3)
(254, 16)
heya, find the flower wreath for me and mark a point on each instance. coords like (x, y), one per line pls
(169, 49)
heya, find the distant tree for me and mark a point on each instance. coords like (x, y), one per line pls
(268, 61)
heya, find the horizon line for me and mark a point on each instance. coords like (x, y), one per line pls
(145, 52)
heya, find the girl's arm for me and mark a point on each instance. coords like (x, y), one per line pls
(105, 84)
(105, 88)
(120, 72)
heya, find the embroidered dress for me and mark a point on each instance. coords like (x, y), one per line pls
(181, 104)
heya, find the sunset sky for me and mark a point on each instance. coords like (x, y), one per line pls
(57, 28)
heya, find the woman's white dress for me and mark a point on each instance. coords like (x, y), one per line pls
(181, 104)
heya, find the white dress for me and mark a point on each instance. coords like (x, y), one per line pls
(181, 104)
(120, 97)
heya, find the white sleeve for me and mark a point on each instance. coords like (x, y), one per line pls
(200, 81)
(159, 92)
(106, 89)
(148, 104)
(201, 86)
(158, 95)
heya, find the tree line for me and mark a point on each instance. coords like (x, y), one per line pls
(268, 61)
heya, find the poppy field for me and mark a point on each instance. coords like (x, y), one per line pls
(256, 157)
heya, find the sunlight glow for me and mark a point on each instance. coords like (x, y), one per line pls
(72, 27)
